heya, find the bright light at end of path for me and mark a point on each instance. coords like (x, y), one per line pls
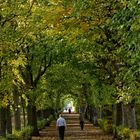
(68, 106)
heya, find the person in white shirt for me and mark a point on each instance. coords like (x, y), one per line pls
(61, 125)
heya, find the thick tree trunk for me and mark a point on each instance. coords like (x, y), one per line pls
(16, 109)
(114, 114)
(125, 115)
(133, 123)
(95, 116)
(23, 111)
(90, 114)
(2, 122)
(17, 119)
(119, 114)
(32, 119)
(9, 120)
(100, 113)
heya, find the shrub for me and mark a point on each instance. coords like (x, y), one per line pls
(44, 122)
(2, 138)
(41, 123)
(15, 136)
(105, 125)
(123, 133)
(24, 134)
(49, 120)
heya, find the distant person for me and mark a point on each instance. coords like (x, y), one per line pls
(81, 119)
(79, 110)
(69, 110)
(61, 125)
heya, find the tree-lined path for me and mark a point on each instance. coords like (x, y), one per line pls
(73, 131)
(57, 52)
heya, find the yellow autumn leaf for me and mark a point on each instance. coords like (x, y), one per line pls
(5, 101)
(84, 26)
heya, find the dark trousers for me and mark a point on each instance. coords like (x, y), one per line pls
(61, 132)
(82, 125)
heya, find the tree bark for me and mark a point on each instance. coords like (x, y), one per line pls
(95, 116)
(23, 111)
(32, 119)
(16, 109)
(123, 115)
(114, 114)
(2, 121)
(100, 112)
(119, 114)
(126, 115)
(133, 123)
(9, 120)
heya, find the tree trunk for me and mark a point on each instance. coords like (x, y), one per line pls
(100, 113)
(133, 123)
(95, 116)
(125, 115)
(16, 109)
(114, 114)
(2, 122)
(32, 119)
(23, 111)
(119, 114)
(91, 114)
(9, 120)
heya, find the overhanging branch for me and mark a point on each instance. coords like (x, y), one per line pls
(42, 71)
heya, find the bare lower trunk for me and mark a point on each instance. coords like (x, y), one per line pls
(16, 109)
(95, 116)
(119, 114)
(32, 119)
(2, 122)
(17, 119)
(133, 123)
(100, 112)
(24, 117)
(114, 114)
(123, 115)
(9, 120)
(23, 111)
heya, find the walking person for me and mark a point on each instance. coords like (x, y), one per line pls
(69, 111)
(81, 119)
(61, 125)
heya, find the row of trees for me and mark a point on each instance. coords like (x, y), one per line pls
(50, 49)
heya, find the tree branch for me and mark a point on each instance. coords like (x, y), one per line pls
(8, 18)
(41, 72)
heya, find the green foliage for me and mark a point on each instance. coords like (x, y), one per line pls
(124, 25)
(44, 122)
(135, 134)
(123, 133)
(2, 138)
(105, 125)
(24, 134)
(92, 43)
